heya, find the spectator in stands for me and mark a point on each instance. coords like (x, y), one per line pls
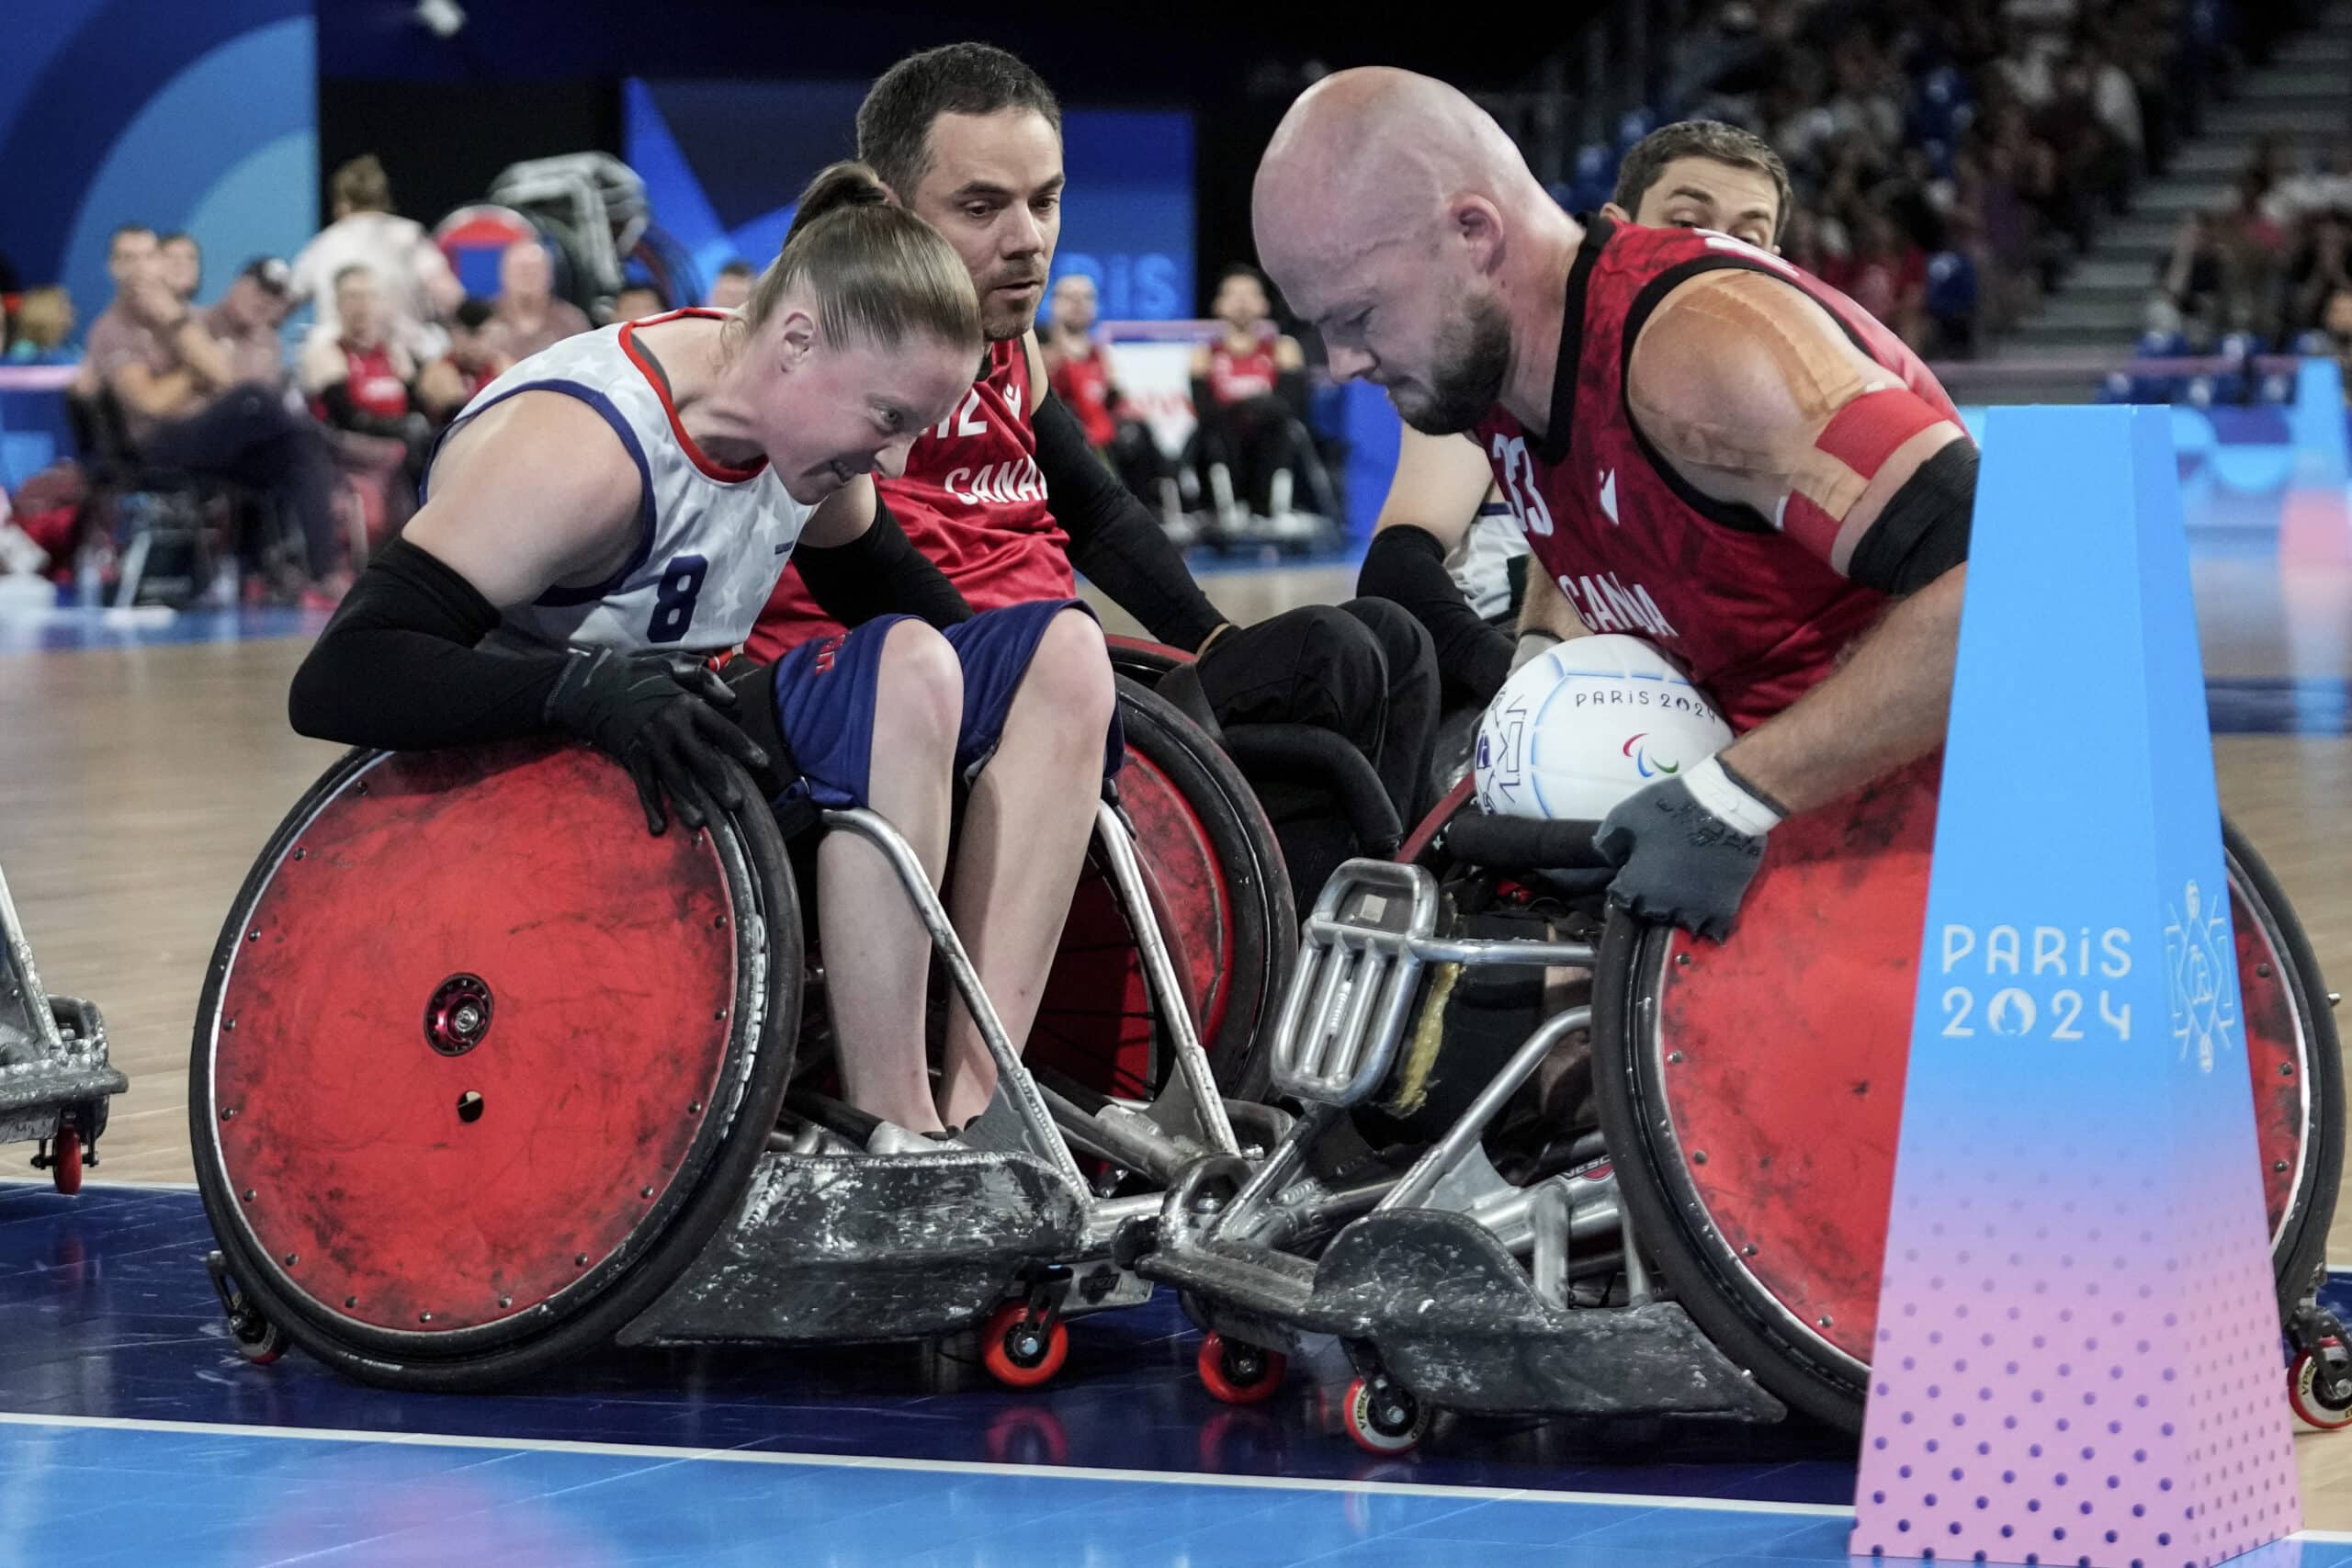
(2191, 279)
(731, 287)
(526, 316)
(183, 261)
(1952, 295)
(1075, 365)
(44, 323)
(2321, 264)
(2336, 321)
(2092, 171)
(2253, 246)
(1078, 368)
(1887, 276)
(358, 378)
(472, 363)
(204, 390)
(636, 302)
(2115, 99)
(2325, 188)
(419, 290)
(246, 322)
(1248, 387)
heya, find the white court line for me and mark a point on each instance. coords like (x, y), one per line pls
(931, 1466)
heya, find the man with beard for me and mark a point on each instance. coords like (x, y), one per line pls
(1705, 446)
(1006, 494)
(1447, 546)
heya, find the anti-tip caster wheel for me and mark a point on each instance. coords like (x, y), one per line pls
(1022, 1348)
(62, 1156)
(1382, 1418)
(258, 1339)
(1239, 1373)
(2318, 1386)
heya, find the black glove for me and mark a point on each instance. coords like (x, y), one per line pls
(1688, 846)
(660, 717)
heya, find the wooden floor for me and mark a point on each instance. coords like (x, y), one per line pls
(138, 783)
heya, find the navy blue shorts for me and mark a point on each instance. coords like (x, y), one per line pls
(825, 697)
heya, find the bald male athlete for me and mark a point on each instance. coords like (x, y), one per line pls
(1446, 545)
(1705, 446)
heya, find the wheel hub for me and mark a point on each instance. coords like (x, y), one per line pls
(457, 1017)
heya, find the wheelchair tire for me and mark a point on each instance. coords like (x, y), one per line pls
(322, 1128)
(1224, 902)
(1703, 1231)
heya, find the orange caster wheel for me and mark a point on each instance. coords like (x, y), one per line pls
(2318, 1386)
(1238, 1373)
(1021, 1348)
(1382, 1418)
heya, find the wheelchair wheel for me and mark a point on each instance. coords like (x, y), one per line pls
(480, 1066)
(1751, 1093)
(1223, 904)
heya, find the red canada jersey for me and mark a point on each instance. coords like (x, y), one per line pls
(1236, 377)
(972, 499)
(1084, 387)
(1756, 618)
(376, 387)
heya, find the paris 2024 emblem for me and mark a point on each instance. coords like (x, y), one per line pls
(2196, 959)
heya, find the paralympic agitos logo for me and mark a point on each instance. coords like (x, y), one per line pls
(1644, 763)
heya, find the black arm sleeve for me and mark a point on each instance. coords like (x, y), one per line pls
(1113, 537)
(397, 666)
(877, 573)
(1406, 566)
(1923, 533)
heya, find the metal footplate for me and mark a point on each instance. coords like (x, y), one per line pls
(866, 1247)
(1453, 1315)
(53, 1060)
(1455, 1320)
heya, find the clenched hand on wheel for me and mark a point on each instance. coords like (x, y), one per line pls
(660, 719)
(1688, 847)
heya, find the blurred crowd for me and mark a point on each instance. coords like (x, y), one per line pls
(1954, 158)
(2276, 263)
(283, 454)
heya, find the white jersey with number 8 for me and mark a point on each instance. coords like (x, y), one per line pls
(710, 540)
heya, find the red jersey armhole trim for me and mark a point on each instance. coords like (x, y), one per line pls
(701, 460)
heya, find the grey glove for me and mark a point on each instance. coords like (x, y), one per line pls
(1688, 847)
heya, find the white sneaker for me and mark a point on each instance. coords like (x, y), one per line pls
(890, 1138)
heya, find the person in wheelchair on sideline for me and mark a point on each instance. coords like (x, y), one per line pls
(1007, 495)
(634, 493)
(1446, 545)
(1249, 393)
(1704, 445)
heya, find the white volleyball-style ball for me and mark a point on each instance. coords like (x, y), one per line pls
(1575, 732)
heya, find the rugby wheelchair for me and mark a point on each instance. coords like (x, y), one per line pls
(56, 1078)
(1553, 1160)
(483, 1078)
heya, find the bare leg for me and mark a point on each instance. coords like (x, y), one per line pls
(877, 956)
(1025, 831)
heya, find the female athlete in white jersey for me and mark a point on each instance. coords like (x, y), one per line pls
(637, 490)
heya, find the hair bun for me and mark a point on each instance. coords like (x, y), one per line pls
(838, 185)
